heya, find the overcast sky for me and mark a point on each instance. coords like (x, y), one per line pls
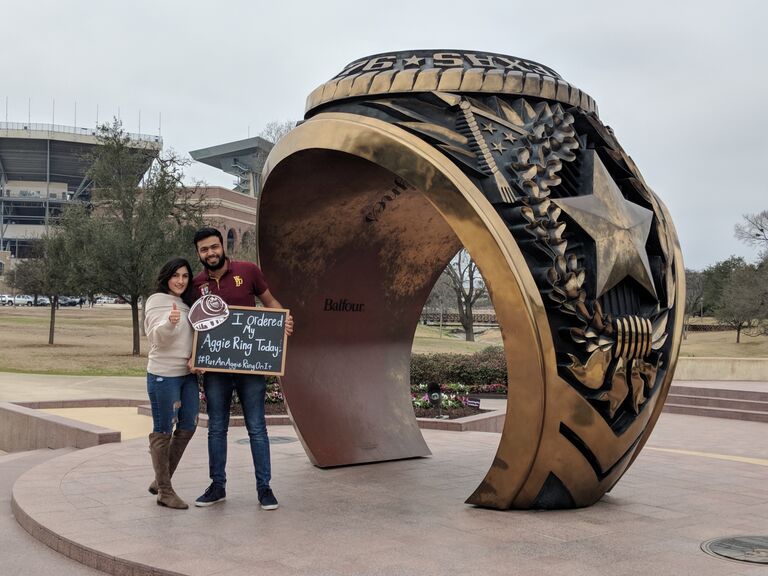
(683, 84)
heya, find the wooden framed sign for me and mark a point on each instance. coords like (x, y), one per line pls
(241, 339)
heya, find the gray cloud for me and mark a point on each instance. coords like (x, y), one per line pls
(681, 83)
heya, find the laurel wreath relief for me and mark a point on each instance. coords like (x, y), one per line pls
(518, 149)
(612, 371)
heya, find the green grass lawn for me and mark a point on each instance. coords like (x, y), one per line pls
(97, 341)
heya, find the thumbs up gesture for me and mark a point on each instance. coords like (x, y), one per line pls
(175, 315)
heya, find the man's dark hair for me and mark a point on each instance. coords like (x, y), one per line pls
(167, 272)
(207, 232)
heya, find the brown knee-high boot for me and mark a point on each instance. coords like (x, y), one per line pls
(179, 442)
(159, 447)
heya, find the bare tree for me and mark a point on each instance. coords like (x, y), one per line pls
(694, 296)
(754, 230)
(248, 249)
(275, 130)
(468, 286)
(440, 299)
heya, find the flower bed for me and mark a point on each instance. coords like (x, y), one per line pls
(274, 402)
(460, 376)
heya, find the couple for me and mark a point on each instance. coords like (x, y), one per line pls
(172, 387)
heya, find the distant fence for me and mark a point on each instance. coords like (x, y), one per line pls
(453, 318)
(490, 318)
(709, 328)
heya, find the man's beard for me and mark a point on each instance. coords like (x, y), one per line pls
(217, 266)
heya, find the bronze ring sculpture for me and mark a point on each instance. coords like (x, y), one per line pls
(404, 158)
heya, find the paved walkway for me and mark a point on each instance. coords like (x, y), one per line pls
(724, 384)
(697, 478)
(20, 554)
(31, 387)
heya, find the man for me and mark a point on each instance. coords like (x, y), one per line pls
(238, 284)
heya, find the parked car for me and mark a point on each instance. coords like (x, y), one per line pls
(43, 301)
(6, 300)
(68, 301)
(23, 300)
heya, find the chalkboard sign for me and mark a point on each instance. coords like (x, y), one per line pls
(250, 340)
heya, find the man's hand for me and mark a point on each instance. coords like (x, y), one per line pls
(191, 366)
(175, 315)
(270, 301)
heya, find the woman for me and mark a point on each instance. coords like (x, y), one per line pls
(171, 387)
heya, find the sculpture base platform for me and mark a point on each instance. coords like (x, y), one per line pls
(403, 517)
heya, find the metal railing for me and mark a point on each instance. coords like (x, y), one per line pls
(37, 127)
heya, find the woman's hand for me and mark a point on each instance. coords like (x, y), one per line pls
(175, 315)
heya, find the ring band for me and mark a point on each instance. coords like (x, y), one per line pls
(403, 159)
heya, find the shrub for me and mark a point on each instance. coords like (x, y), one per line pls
(484, 372)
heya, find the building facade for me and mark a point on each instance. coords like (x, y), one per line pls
(235, 212)
(43, 168)
(232, 213)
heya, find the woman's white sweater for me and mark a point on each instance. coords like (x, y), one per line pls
(170, 347)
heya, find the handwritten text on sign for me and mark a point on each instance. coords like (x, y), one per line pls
(250, 340)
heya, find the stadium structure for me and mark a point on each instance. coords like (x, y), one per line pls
(235, 212)
(43, 168)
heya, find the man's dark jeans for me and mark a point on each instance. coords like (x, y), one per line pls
(251, 389)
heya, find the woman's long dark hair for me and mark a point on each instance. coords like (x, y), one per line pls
(167, 272)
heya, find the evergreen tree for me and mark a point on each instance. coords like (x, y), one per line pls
(133, 225)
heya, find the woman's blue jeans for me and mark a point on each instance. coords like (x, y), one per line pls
(251, 389)
(175, 402)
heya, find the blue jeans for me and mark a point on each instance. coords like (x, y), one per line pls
(251, 389)
(175, 401)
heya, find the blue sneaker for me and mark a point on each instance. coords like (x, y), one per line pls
(215, 493)
(267, 499)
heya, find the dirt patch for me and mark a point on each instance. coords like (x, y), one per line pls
(452, 413)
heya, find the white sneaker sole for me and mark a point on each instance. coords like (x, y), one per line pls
(269, 506)
(205, 504)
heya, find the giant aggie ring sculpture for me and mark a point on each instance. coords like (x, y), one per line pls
(403, 159)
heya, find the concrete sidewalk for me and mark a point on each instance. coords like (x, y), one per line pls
(33, 387)
(21, 554)
(698, 478)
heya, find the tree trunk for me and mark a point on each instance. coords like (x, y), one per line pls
(52, 325)
(135, 319)
(468, 321)
(141, 316)
(738, 334)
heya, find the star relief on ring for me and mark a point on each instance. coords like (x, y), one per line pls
(412, 61)
(619, 228)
